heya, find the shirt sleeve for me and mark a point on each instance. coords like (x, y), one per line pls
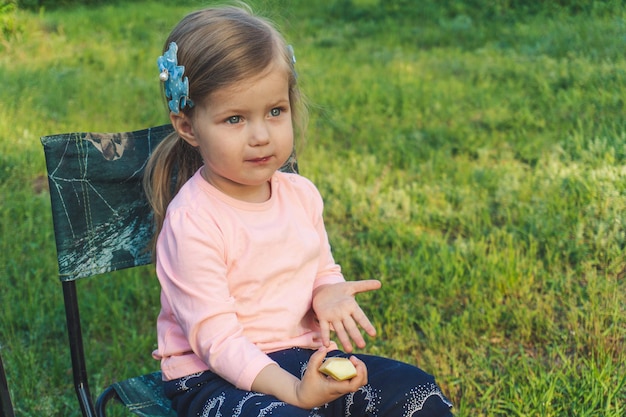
(192, 271)
(329, 272)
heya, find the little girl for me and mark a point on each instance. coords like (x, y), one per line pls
(250, 290)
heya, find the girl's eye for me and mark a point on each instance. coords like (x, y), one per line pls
(275, 112)
(233, 120)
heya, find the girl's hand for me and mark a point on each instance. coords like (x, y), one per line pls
(337, 309)
(316, 389)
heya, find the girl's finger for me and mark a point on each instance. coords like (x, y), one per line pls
(364, 286)
(325, 331)
(362, 320)
(353, 332)
(361, 372)
(343, 337)
(316, 359)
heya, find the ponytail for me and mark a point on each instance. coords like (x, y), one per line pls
(171, 164)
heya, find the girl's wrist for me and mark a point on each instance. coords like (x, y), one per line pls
(274, 380)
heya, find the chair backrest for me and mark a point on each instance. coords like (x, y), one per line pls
(102, 220)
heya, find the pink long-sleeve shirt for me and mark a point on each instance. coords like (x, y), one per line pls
(237, 278)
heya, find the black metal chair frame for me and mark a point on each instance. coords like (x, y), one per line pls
(6, 406)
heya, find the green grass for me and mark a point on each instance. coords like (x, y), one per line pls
(475, 164)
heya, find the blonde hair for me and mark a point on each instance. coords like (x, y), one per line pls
(218, 47)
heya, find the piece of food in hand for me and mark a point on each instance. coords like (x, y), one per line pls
(338, 368)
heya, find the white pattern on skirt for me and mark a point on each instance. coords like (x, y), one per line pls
(419, 395)
(216, 403)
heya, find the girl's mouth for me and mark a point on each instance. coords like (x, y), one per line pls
(260, 160)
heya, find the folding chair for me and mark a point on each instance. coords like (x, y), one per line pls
(6, 406)
(103, 223)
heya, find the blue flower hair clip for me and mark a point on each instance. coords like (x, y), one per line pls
(292, 55)
(176, 87)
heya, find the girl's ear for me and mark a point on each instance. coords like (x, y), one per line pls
(184, 128)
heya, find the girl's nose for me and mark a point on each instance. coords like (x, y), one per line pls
(260, 134)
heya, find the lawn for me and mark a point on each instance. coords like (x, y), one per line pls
(473, 161)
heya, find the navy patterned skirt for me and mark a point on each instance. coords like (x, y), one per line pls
(394, 389)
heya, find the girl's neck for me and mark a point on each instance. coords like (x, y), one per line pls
(246, 193)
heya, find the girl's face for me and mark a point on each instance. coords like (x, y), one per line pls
(244, 134)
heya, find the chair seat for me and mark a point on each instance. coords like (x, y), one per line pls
(143, 395)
